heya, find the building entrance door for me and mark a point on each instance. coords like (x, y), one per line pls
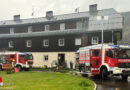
(61, 60)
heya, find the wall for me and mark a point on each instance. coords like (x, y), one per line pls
(126, 29)
(37, 42)
(38, 27)
(53, 56)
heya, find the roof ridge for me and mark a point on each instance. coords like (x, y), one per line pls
(59, 15)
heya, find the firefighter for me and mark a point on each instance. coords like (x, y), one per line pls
(71, 65)
(13, 62)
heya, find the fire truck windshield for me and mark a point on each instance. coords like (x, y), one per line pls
(29, 57)
(122, 53)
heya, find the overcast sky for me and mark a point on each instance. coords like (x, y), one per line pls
(8, 8)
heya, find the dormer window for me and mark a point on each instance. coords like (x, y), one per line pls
(11, 30)
(29, 29)
(62, 26)
(47, 27)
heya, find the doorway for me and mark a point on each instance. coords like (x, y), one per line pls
(61, 60)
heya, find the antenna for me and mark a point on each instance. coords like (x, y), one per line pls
(32, 11)
(77, 10)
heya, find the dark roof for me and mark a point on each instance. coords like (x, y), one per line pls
(113, 23)
(57, 17)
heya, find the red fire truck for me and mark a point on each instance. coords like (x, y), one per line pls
(104, 60)
(21, 60)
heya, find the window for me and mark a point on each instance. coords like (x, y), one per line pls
(94, 40)
(79, 25)
(118, 36)
(29, 43)
(10, 44)
(47, 27)
(29, 29)
(46, 43)
(61, 42)
(95, 53)
(78, 41)
(62, 26)
(11, 30)
(12, 56)
(45, 57)
(22, 57)
(109, 53)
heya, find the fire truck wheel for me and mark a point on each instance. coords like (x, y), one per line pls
(19, 67)
(124, 77)
(103, 73)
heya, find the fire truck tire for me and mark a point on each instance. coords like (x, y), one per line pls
(19, 67)
(124, 77)
(0, 68)
(103, 73)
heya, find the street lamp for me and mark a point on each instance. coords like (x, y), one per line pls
(102, 19)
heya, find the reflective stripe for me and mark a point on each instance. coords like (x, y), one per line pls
(94, 68)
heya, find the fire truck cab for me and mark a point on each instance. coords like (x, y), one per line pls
(104, 60)
(21, 60)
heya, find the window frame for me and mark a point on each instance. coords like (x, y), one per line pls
(11, 30)
(44, 43)
(27, 43)
(44, 57)
(11, 44)
(94, 41)
(62, 26)
(46, 27)
(77, 41)
(61, 44)
(29, 29)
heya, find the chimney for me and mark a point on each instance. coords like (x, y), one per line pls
(49, 14)
(93, 9)
(16, 17)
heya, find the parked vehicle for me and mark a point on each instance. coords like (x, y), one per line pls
(21, 60)
(104, 60)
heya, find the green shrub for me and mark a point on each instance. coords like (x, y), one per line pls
(83, 84)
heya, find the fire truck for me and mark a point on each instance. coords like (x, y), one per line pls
(104, 60)
(21, 60)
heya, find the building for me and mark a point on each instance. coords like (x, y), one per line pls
(55, 38)
(126, 29)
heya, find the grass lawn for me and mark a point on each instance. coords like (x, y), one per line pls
(45, 81)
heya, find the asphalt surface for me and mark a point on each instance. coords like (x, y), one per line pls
(112, 83)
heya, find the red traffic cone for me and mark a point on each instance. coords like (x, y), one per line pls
(1, 82)
(16, 70)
